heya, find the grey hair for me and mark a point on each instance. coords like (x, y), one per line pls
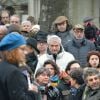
(53, 38)
(89, 72)
(24, 22)
(41, 71)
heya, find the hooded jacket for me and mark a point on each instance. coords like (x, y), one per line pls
(61, 59)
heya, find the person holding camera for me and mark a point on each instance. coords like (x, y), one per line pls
(46, 91)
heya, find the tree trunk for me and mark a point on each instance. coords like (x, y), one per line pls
(49, 10)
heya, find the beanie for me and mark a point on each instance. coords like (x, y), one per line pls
(36, 26)
(11, 41)
(33, 43)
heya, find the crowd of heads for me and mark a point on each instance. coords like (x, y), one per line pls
(20, 42)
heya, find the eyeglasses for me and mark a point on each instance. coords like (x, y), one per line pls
(79, 30)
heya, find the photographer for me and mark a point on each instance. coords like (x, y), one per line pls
(47, 92)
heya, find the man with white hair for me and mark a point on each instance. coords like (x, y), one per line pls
(55, 52)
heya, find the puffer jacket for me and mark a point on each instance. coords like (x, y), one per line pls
(61, 59)
(80, 49)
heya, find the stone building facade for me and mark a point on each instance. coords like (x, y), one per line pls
(77, 9)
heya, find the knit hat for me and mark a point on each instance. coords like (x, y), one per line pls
(60, 19)
(11, 41)
(33, 43)
(36, 26)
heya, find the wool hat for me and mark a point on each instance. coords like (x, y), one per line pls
(36, 26)
(78, 26)
(86, 19)
(11, 41)
(33, 43)
(60, 19)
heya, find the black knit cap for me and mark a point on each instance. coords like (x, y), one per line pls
(33, 43)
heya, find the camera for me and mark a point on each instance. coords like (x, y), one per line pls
(42, 89)
(52, 92)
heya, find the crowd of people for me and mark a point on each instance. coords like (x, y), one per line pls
(61, 65)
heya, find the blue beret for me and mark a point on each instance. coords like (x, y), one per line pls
(11, 41)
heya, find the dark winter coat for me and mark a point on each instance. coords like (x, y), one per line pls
(64, 89)
(65, 37)
(80, 49)
(79, 93)
(13, 84)
(32, 61)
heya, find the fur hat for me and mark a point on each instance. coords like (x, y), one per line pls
(11, 41)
